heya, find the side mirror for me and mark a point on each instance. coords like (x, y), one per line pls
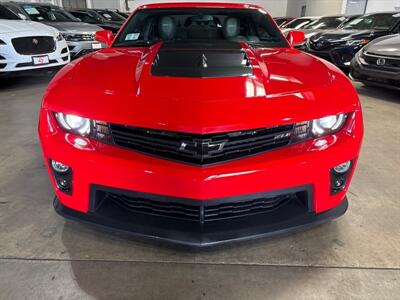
(105, 37)
(295, 37)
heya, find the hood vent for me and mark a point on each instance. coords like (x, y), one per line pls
(201, 60)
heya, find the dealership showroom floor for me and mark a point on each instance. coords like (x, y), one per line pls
(43, 256)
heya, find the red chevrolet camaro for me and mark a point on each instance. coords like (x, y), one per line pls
(200, 124)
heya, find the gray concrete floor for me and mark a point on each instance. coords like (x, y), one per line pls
(42, 256)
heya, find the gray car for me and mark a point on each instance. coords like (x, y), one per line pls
(79, 36)
(378, 63)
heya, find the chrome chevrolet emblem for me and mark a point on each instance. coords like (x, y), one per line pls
(201, 148)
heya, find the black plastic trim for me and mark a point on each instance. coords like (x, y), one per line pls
(178, 232)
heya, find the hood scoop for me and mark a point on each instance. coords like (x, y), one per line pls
(201, 60)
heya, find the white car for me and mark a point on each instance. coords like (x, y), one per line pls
(27, 45)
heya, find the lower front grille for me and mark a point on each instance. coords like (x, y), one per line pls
(198, 149)
(197, 211)
(34, 45)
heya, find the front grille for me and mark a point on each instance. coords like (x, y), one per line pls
(196, 149)
(76, 37)
(323, 45)
(34, 45)
(391, 64)
(198, 211)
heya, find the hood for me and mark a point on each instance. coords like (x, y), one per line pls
(344, 34)
(310, 32)
(74, 27)
(388, 46)
(13, 26)
(283, 86)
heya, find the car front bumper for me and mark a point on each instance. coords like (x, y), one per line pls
(302, 169)
(81, 48)
(11, 61)
(375, 75)
(339, 56)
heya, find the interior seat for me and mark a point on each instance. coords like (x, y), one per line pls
(167, 28)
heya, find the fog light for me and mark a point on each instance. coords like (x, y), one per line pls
(343, 168)
(59, 167)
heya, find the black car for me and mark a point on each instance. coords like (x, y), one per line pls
(110, 15)
(92, 18)
(340, 46)
(378, 63)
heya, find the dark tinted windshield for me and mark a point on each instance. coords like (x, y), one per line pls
(48, 14)
(378, 22)
(326, 23)
(298, 23)
(200, 24)
(5, 13)
(110, 15)
(85, 17)
(279, 21)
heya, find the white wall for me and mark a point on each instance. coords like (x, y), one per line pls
(314, 7)
(276, 8)
(383, 5)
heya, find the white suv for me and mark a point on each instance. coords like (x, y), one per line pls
(26, 45)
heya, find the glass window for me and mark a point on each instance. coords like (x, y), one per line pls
(326, 23)
(377, 21)
(297, 23)
(149, 26)
(48, 14)
(5, 13)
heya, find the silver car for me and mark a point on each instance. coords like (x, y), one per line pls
(80, 36)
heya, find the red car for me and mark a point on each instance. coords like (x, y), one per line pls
(200, 124)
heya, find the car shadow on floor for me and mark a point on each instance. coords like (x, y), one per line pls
(26, 80)
(110, 265)
(379, 93)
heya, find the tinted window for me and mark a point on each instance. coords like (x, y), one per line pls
(378, 22)
(326, 23)
(84, 17)
(201, 24)
(297, 23)
(48, 14)
(110, 15)
(5, 13)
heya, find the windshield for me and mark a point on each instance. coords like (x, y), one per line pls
(48, 14)
(110, 15)
(85, 17)
(326, 23)
(377, 22)
(149, 26)
(7, 14)
(297, 23)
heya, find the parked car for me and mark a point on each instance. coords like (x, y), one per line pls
(378, 63)
(27, 45)
(80, 36)
(155, 146)
(90, 18)
(281, 21)
(339, 46)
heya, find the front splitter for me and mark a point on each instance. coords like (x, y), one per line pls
(170, 231)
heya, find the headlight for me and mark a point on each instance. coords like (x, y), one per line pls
(327, 125)
(2, 42)
(357, 43)
(74, 124)
(59, 37)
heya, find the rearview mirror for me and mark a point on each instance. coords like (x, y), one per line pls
(295, 37)
(105, 37)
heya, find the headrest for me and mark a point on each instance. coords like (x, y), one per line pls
(167, 28)
(231, 27)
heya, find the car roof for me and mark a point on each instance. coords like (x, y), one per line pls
(200, 5)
